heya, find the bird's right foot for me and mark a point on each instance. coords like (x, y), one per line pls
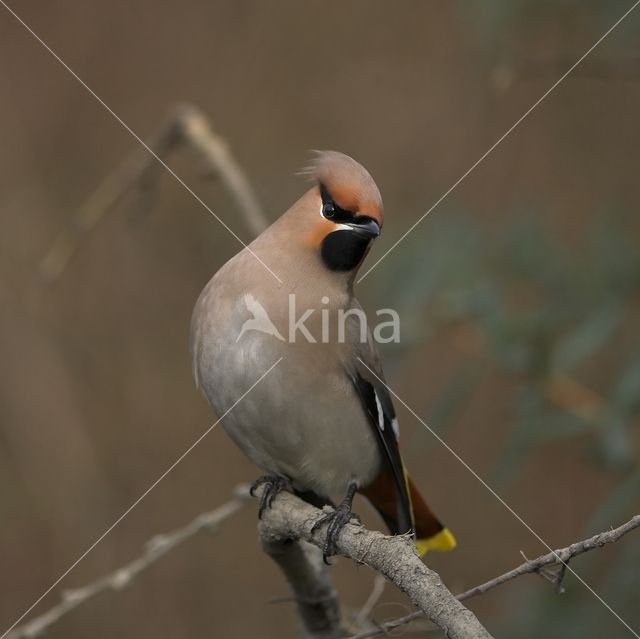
(274, 484)
(337, 519)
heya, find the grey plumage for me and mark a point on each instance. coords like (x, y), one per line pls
(305, 420)
(322, 420)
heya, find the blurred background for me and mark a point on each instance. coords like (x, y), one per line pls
(518, 294)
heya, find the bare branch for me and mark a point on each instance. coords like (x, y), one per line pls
(154, 549)
(558, 557)
(194, 129)
(395, 557)
(186, 127)
(308, 577)
(379, 582)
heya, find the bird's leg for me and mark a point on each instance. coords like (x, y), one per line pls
(338, 518)
(274, 484)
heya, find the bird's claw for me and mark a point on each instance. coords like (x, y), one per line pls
(274, 484)
(337, 519)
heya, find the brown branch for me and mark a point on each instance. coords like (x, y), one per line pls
(561, 556)
(186, 127)
(308, 577)
(290, 521)
(196, 132)
(364, 613)
(119, 579)
(558, 557)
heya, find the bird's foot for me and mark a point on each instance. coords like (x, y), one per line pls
(274, 484)
(337, 519)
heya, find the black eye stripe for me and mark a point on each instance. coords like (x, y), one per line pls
(343, 250)
(332, 211)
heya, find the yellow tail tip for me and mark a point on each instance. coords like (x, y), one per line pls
(442, 542)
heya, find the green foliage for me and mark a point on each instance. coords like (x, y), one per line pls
(547, 311)
(492, 18)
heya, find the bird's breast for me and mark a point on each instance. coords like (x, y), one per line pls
(303, 419)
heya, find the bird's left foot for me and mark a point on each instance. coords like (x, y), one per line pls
(337, 519)
(274, 484)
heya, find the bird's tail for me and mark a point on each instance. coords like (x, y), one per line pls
(429, 531)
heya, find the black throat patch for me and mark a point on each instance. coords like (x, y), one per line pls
(344, 250)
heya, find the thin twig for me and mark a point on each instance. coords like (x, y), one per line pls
(379, 582)
(557, 557)
(119, 579)
(218, 159)
(186, 127)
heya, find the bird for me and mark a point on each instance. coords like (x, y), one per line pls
(321, 424)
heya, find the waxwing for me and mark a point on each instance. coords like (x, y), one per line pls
(321, 423)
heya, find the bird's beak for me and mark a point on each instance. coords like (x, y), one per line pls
(369, 229)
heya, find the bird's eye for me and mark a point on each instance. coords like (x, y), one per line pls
(328, 210)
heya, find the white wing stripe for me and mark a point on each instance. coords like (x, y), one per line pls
(396, 427)
(380, 412)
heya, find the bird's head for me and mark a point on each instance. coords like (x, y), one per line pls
(343, 211)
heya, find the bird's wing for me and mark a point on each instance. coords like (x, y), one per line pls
(368, 381)
(392, 492)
